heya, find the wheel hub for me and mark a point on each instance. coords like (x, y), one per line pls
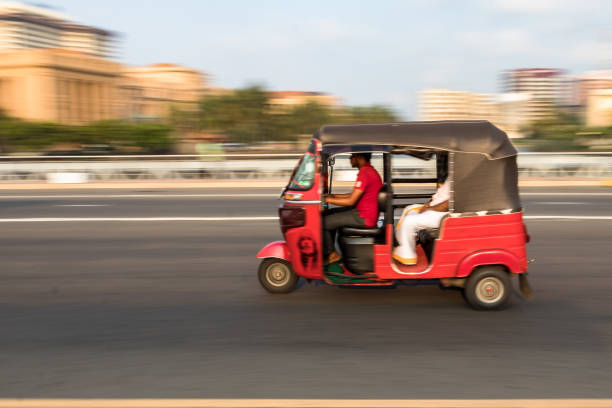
(489, 290)
(277, 274)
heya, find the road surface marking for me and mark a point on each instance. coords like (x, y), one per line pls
(559, 202)
(255, 195)
(222, 195)
(132, 219)
(566, 194)
(303, 403)
(155, 219)
(82, 205)
(567, 217)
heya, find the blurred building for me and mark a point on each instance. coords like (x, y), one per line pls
(547, 89)
(506, 111)
(58, 85)
(589, 82)
(599, 107)
(447, 104)
(152, 92)
(283, 101)
(25, 26)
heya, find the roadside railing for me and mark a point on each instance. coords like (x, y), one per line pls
(260, 166)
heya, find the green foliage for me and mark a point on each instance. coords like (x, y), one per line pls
(370, 114)
(17, 135)
(241, 115)
(562, 132)
(246, 116)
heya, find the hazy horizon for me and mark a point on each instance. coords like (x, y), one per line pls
(364, 53)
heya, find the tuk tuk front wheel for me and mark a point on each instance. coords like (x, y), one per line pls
(488, 288)
(277, 276)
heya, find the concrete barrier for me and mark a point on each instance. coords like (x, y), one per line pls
(35, 168)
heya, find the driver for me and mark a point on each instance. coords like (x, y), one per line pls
(360, 206)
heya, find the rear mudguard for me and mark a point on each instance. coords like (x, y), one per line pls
(489, 257)
(277, 249)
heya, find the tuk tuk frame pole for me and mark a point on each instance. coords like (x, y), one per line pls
(388, 179)
(451, 175)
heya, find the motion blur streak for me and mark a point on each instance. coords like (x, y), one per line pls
(295, 403)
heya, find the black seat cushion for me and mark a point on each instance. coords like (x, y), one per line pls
(362, 232)
(427, 239)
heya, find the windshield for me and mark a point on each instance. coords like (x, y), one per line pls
(304, 174)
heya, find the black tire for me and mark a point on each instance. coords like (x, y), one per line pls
(277, 276)
(488, 288)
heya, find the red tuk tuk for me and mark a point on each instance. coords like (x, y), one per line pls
(479, 246)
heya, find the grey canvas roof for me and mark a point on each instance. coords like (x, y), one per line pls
(473, 136)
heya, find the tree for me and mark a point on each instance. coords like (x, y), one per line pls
(241, 115)
(306, 119)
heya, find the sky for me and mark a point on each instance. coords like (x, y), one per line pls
(366, 52)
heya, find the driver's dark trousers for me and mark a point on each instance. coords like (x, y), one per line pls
(338, 218)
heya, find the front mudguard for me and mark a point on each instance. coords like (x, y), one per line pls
(277, 249)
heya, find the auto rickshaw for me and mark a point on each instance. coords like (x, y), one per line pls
(478, 248)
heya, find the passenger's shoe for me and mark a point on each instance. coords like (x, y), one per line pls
(333, 257)
(405, 261)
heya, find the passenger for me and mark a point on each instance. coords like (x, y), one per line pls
(417, 217)
(360, 206)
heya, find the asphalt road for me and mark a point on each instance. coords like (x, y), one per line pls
(173, 309)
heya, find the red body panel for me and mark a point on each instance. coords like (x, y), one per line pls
(276, 249)
(464, 243)
(305, 242)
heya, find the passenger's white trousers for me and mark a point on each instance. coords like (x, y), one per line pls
(406, 231)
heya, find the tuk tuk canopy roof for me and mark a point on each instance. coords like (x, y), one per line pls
(472, 136)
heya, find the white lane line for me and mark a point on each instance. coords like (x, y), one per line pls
(176, 219)
(558, 202)
(254, 195)
(567, 217)
(131, 219)
(82, 205)
(304, 403)
(566, 194)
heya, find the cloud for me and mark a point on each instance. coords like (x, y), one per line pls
(498, 42)
(329, 30)
(540, 6)
(593, 52)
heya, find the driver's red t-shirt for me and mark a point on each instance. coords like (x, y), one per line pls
(368, 181)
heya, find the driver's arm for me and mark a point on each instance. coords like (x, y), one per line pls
(341, 195)
(348, 199)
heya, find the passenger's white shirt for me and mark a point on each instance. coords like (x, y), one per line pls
(442, 195)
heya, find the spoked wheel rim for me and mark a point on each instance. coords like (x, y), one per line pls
(490, 290)
(278, 274)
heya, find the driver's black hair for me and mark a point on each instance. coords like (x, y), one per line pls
(367, 156)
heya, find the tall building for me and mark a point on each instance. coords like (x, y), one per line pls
(599, 108)
(282, 101)
(24, 26)
(59, 86)
(447, 104)
(591, 81)
(64, 86)
(547, 90)
(506, 111)
(151, 92)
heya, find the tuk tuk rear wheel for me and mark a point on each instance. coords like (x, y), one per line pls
(277, 276)
(488, 288)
